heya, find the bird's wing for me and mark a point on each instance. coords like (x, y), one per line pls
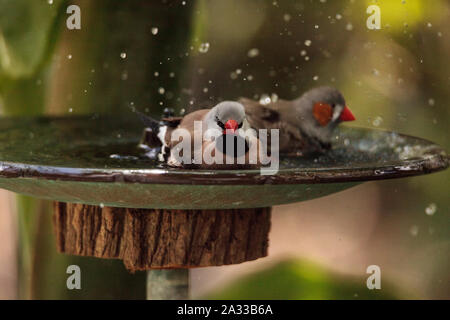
(275, 115)
(260, 116)
(187, 123)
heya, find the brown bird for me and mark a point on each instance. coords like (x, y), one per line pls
(306, 124)
(224, 122)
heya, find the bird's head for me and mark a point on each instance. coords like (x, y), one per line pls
(227, 116)
(321, 110)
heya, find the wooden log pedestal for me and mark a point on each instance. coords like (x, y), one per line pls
(148, 239)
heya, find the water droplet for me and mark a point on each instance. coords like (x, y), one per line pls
(120, 157)
(287, 17)
(308, 43)
(161, 90)
(414, 230)
(303, 53)
(253, 52)
(156, 74)
(204, 47)
(50, 1)
(431, 102)
(274, 97)
(431, 209)
(315, 78)
(70, 110)
(69, 56)
(265, 99)
(155, 31)
(338, 16)
(123, 55)
(102, 205)
(377, 121)
(349, 27)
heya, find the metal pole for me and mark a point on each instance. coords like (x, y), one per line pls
(168, 284)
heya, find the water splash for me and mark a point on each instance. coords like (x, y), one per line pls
(204, 47)
(431, 209)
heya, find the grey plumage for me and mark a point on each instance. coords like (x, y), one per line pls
(300, 131)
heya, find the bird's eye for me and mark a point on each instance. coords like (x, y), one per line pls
(240, 125)
(220, 123)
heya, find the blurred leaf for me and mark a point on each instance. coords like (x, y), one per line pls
(295, 279)
(25, 33)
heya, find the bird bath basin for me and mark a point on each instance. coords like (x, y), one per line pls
(113, 203)
(94, 160)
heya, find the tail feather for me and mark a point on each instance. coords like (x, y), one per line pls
(148, 121)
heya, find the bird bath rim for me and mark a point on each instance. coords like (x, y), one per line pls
(435, 163)
(61, 161)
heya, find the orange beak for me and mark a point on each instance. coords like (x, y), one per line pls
(347, 115)
(231, 126)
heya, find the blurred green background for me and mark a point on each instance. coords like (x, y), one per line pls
(192, 54)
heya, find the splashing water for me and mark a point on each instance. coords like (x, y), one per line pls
(265, 99)
(204, 47)
(253, 53)
(431, 209)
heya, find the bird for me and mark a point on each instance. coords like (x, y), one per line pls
(226, 120)
(305, 124)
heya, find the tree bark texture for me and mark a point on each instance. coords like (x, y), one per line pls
(158, 238)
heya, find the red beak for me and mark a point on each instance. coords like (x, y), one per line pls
(231, 126)
(347, 115)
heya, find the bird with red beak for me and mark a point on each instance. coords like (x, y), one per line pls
(306, 124)
(226, 119)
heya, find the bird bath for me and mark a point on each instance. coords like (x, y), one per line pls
(111, 202)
